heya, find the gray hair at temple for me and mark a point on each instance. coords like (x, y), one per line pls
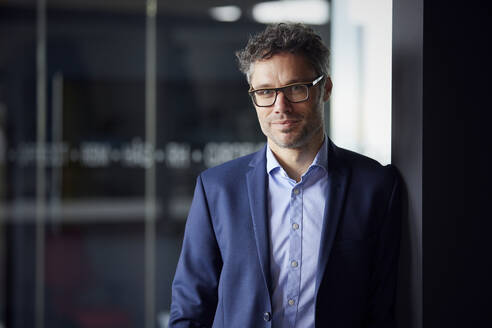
(293, 38)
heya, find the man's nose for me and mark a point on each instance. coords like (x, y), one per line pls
(282, 104)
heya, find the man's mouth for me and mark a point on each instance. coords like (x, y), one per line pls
(285, 123)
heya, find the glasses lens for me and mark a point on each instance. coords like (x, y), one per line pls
(296, 93)
(293, 93)
(264, 97)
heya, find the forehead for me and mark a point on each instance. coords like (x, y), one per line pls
(281, 69)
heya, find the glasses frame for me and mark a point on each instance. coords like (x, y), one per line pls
(307, 84)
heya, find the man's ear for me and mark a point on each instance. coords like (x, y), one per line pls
(328, 87)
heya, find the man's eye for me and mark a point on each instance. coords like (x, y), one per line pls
(265, 93)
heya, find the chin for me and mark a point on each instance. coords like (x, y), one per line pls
(294, 140)
(291, 143)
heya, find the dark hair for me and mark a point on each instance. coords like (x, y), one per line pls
(294, 38)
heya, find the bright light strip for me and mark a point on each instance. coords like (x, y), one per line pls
(314, 12)
(225, 13)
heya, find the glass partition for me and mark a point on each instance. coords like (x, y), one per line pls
(108, 112)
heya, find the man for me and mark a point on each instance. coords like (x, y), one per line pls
(300, 234)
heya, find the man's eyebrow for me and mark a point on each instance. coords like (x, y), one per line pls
(269, 86)
(263, 86)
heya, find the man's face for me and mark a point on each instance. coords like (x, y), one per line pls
(290, 125)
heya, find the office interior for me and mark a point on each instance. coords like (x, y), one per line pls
(110, 109)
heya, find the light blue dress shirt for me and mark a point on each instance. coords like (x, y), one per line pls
(296, 216)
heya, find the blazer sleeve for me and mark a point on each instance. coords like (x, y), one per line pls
(195, 285)
(384, 279)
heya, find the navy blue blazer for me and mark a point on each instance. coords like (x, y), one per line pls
(223, 274)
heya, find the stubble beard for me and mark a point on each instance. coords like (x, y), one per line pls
(305, 136)
(307, 133)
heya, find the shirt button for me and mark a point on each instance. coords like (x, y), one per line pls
(295, 226)
(291, 302)
(296, 191)
(293, 264)
(267, 316)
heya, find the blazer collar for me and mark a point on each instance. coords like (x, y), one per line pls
(338, 180)
(256, 180)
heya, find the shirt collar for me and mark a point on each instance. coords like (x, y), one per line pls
(320, 160)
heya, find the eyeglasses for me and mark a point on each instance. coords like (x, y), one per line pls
(295, 93)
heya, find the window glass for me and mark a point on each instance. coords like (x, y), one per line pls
(108, 112)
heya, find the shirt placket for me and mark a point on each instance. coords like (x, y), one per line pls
(295, 255)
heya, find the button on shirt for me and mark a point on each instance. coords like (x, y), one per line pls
(296, 212)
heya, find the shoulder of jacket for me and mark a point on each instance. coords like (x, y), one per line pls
(230, 169)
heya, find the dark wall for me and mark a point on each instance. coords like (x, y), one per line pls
(440, 105)
(456, 222)
(443, 180)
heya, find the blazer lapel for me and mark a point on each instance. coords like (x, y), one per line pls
(338, 177)
(256, 179)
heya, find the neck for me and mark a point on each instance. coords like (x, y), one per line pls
(296, 161)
